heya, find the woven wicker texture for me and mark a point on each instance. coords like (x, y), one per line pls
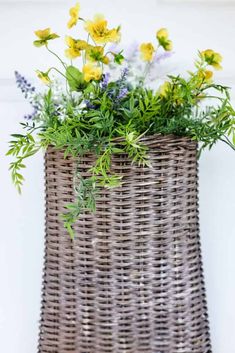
(132, 280)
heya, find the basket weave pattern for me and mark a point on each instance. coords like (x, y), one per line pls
(132, 280)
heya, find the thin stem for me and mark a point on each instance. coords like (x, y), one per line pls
(84, 55)
(108, 52)
(57, 56)
(61, 73)
(214, 97)
(67, 90)
(228, 142)
(147, 67)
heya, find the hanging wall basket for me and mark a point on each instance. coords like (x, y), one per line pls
(132, 280)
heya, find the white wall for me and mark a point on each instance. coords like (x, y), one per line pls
(194, 25)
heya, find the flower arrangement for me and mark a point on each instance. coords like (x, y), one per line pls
(106, 101)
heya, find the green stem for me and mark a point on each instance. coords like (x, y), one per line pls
(147, 67)
(61, 73)
(214, 97)
(57, 56)
(228, 142)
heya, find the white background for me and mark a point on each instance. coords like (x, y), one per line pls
(193, 25)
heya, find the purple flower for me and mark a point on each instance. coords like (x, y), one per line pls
(89, 105)
(28, 91)
(105, 80)
(122, 93)
(25, 87)
(31, 116)
(124, 74)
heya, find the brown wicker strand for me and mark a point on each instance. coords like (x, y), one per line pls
(132, 280)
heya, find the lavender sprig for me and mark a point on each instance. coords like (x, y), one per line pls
(31, 116)
(26, 88)
(122, 93)
(89, 105)
(28, 91)
(124, 74)
(105, 80)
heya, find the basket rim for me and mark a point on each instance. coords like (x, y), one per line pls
(153, 140)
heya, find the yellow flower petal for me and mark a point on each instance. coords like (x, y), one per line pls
(212, 58)
(105, 60)
(75, 47)
(164, 88)
(163, 39)
(99, 32)
(217, 66)
(162, 33)
(208, 53)
(91, 72)
(94, 53)
(147, 51)
(168, 45)
(69, 41)
(205, 75)
(114, 35)
(43, 33)
(74, 16)
(81, 44)
(71, 53)
(44, 77)
(208, 75)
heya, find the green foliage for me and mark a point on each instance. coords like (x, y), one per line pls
(22, 147)
(75, 78)
(118, 58)
(106, 117)
(85, 200)
(112, 119)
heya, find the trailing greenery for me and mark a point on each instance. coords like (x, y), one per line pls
(98, 114)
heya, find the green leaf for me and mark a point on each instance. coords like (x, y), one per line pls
(75, 78)
(118, 58)
(234, 138)
(70, 230)
(11, 151)
(39, 43)
(17, 135)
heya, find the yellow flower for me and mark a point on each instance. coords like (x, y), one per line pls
(168, 45)
(164, 88)
(105, 60)
(147, 51)
(44, 77)
(212, 58)
(162, 36)
(72, 52)
(208, 74)
(205, 75)
(44, 35)
(75, 47)
(91, 72)
(96, 53)
(99, 32)
(114, 35)
(74, 16)
(81, 44)
(162, 33)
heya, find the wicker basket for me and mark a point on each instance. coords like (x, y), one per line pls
(132, 280)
